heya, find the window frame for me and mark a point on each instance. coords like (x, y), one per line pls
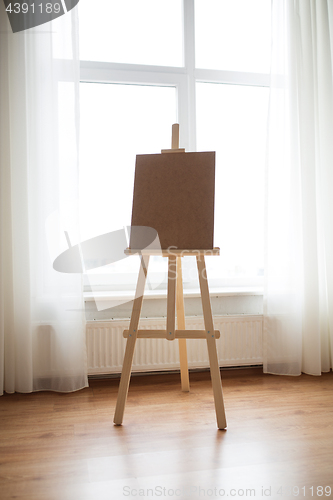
(183, 78)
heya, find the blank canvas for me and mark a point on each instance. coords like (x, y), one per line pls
(174, 194)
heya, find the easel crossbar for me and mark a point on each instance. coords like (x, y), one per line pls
(179, 334)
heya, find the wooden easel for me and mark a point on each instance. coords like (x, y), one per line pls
(175, 304)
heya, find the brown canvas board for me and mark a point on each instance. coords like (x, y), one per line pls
(174, 194)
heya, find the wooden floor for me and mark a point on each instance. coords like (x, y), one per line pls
(65, 446)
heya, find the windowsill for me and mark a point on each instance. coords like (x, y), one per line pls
(162, 294)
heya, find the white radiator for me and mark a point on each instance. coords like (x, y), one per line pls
(240, 344)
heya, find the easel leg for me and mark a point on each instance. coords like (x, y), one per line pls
(211, 344)
(130, 345)
(181, 326)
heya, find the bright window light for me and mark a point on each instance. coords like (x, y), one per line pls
(233, 35)
(231, 120)
(132, 31)
(117, 123)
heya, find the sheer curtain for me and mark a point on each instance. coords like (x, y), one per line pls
(298, 303)
(42, 333)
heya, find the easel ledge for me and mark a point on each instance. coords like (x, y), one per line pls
(173, 251)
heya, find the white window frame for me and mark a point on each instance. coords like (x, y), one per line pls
(183, 78)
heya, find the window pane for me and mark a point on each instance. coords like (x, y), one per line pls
(233, 35)
(231, 120)
(118, 122)
(132, 31)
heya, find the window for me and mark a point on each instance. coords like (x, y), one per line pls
(146, 64)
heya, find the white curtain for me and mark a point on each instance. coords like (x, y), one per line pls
(42, 331)
(298, 303)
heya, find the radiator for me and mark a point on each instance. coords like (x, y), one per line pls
(240, 344)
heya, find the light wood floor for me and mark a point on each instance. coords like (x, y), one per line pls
(65, 446)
